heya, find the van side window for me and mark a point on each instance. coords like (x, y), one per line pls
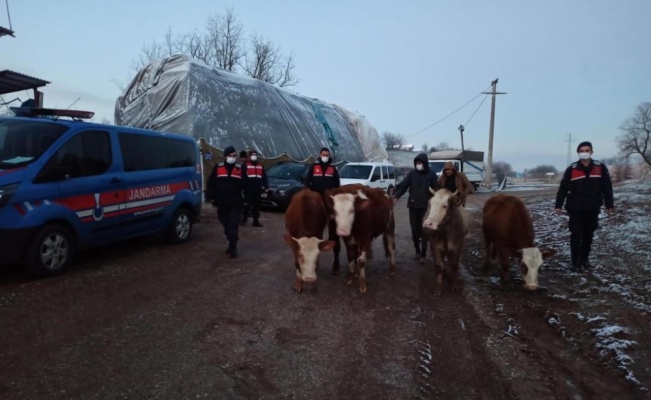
(376, 174)
(385, 172)
(86, 154)
(392, 172)
(144, 152)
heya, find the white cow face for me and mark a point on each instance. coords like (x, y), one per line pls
(438, 208)
(531, 260)
(306, 251)
(344, 208)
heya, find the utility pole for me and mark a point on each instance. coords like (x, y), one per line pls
(461, 129)
(489, 167)
(569, 149)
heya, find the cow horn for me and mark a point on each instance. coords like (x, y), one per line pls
(456, 192)
(432, 191)
(361, 195)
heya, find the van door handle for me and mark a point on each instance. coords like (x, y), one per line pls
(115, 179)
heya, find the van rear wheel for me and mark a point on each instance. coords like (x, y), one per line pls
(51, 251)
(180, 228)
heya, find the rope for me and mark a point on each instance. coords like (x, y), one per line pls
(8, 15)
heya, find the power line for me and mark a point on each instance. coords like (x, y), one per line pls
(8, 15)
(446, 117)
(477, 109)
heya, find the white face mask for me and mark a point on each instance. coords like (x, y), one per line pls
(325, 159)
(584, 156)
(230, 160)
(254, 158)
(419, 167)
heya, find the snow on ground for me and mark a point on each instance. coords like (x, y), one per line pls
(621, 253)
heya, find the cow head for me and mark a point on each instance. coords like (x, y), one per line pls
(439, 208)
(306, 252)
(344, 206)
(531, 258)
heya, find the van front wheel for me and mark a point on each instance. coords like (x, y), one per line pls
(180, 228)
(51, 251)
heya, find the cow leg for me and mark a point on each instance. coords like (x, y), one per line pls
(505, 262)
(489, 253)
(361, 266)
(298, 282)
(439, 266)
(351, 253)
(389, 241)
(453, 270)
(332, 235)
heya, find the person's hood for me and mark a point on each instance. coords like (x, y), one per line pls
(449, 165)
(422, 157)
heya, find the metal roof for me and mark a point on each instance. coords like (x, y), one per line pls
(11, 81)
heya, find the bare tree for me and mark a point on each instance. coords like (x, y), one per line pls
(541, 170)
(392, 140)
(501, 169)
(221, 44)
(433, 149)
(424, 147)
(444, 146)
(636, 134)
(224, 36)
(619, 167)
(264, 62)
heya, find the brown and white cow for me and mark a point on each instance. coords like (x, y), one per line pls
(445, 227)
(305, 220)
(361, 214)
(508, 232)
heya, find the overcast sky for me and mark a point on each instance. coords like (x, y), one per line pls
(568, 66)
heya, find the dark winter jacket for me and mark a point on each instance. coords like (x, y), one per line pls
(226, 185)
(322, 176)
(256, 177)
(418, 183)
(586, 188)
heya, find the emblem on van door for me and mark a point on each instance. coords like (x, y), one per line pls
(98, 211)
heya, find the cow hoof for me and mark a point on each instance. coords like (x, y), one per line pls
(362, 289)
(349, 281)
(455, 289)
(436, 292)
(335, 272)
(298, 289)
(392, 272)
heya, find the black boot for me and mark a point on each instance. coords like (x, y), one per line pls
(257, 223)
(232, 249)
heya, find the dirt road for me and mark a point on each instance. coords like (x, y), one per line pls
(143, 320)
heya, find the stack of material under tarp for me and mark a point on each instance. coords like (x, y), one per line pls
(183, 95)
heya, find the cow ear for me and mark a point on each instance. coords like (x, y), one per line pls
(289, 239)
(361, 195)
(519, 252)
(326, 245)
(546, 253)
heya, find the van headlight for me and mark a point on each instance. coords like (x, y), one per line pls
(6, 192)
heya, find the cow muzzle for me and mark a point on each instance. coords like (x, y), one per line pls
(530, 287)
(309, 279)
(343, 232)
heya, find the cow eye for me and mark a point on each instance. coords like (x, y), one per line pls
(350, 211)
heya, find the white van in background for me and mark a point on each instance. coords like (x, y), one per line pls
(372, 174)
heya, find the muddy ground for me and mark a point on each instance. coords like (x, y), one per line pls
(143, 320)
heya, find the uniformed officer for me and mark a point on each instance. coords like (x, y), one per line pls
(587, 186)
(225, 189)
(257, 183)
(322, 175)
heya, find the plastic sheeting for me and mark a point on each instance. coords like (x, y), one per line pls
(183, 95)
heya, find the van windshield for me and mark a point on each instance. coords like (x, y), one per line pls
(22, 142)
(436, 166)
(355, 171)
